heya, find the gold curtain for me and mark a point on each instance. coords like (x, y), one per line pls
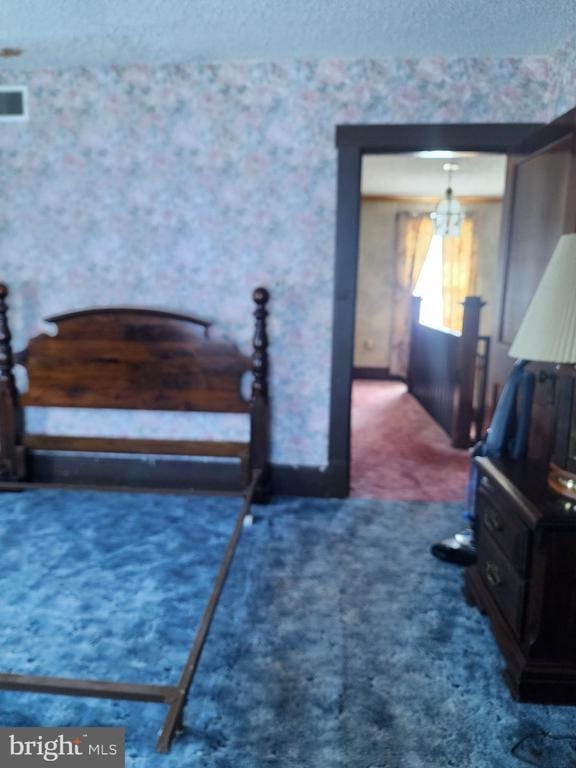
(413, 236)
(459, 269)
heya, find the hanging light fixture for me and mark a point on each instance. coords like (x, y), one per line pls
(448, 215)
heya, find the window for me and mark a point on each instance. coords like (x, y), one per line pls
(429, 286)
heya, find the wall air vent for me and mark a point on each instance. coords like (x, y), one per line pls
(13, 103)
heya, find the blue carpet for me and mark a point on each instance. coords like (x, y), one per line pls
(339, 642)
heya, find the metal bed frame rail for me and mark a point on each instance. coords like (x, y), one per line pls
(175, 696)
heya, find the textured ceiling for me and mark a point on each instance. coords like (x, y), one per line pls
(406, 175)
(60, 33)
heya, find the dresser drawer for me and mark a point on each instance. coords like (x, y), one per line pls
(498, 515)
(502, 581)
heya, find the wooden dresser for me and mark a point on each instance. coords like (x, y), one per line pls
(525, 578)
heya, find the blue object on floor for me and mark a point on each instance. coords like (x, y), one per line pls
(338, 643)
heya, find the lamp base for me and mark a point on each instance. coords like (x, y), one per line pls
(561, 481)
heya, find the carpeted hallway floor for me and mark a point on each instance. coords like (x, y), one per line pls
(339, 642)
(398, 450)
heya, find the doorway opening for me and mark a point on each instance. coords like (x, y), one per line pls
(410, 415)
(354, 143)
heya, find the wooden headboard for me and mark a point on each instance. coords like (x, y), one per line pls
(132, 358)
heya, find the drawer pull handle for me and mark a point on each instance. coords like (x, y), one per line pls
(492, 520)
(492, 574)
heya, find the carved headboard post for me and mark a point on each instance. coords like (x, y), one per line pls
(259, 409)
(11, 454)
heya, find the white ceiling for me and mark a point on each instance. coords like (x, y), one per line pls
(410, 176)
(61, 33)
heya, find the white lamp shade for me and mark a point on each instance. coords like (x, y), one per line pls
(548, 331)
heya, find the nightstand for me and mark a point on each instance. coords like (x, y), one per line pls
(525, 578)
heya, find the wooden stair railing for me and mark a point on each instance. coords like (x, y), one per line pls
(443, 372)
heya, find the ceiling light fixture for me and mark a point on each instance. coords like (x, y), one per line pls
(448, 215)
(442, 154)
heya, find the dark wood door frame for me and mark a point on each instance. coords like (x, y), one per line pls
(352, 142)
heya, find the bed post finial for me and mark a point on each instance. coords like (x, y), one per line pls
(5, 339)
(11, 464)
(260, 344)
(259, 414)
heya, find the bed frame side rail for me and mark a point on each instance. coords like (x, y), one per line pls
(176, 696)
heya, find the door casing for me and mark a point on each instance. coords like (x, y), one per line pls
(352, 142)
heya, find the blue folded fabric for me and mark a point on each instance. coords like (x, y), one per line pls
(507, 435)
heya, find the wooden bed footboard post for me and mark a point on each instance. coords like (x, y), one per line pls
(11, 453)
(259, 408)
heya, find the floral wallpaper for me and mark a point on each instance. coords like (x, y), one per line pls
(563, 76)
(186, 186)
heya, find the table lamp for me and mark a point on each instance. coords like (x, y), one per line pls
(548, 334)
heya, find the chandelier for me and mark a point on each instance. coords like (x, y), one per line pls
(448, 215)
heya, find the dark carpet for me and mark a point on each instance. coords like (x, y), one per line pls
(399, 451)
(339, 641)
